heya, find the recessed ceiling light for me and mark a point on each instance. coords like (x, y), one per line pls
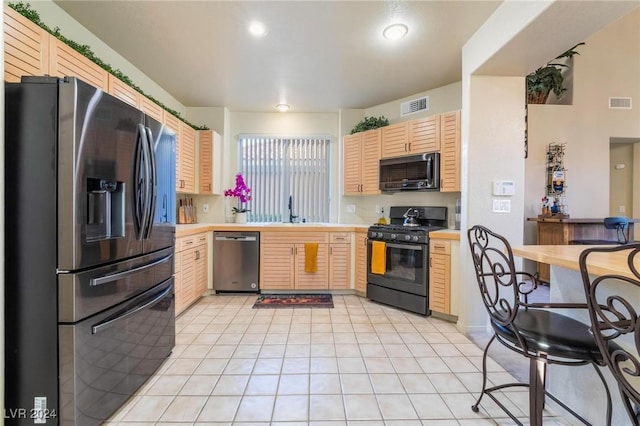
(283, 107)
(395, 31)
(257, 28)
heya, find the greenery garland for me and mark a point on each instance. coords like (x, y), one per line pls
(25, 10)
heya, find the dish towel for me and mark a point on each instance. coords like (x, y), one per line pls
(378, 257)
(311, 257)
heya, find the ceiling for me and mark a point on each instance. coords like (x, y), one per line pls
(317, 56)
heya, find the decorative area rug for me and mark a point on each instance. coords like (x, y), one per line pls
(294, 301)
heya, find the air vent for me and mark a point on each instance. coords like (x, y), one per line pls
(415, 105)
(620, 103)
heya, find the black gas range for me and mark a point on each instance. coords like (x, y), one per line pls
(401, 279)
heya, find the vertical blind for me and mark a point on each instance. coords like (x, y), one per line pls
(276, 168)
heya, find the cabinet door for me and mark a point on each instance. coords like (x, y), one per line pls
(65, 61)
(188, 158)
(205, 141)
(26, 47)
(174, 124)
(395, 140)
(370, 162)
(277, 267)
(201, 275)
(185, 288)
(361, 262)
(351, 164)
(123, 91)
(340, 266)
(151, 108)
(450, 152)
(312, 280)
(424, 135)
(440, 276)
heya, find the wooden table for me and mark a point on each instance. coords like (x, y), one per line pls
(586, 393)
(561, 231)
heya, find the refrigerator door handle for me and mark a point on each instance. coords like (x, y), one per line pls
(111, 321)
(138, 182)
(144, 182)
(118, 275)
(151, 183)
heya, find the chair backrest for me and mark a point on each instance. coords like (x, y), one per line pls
(614, 305)
(496, 275)
(621, 225)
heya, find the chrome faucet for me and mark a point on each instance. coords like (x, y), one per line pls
(291, 215)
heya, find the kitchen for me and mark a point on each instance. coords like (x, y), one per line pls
(476, 175)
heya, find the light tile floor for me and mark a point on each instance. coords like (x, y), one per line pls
(359, 363)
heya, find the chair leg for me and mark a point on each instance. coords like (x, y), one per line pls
(629, 407)
(484, 374)
(537, 374)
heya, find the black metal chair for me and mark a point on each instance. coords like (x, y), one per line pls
(619, 223)
(531, 329)
(614, 306)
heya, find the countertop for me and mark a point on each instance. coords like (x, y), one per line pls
(196, 228)
(552, 219)
(446, 234)
(567, 256)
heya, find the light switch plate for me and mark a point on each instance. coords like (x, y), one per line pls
(351, 208)
(501, 206)
(504, 187)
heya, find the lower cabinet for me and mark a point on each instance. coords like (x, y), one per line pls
(190, 270)
(283, 259)
(440, 276)
(361, 263)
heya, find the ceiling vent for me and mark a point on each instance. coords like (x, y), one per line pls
(415, 105)
(620, 103)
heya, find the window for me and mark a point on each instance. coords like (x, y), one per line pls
(278, 169)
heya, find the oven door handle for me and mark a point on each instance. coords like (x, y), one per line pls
(406, 246)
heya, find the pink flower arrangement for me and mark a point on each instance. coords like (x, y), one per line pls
(242, 192)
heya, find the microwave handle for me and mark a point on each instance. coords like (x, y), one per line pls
(430, 169)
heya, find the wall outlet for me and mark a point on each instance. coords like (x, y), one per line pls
(205, 208)
(378, 209)
(351, 208)
(621, 209)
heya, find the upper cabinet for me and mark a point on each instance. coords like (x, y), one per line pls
(122, 91)
(395, 140)
(424, 134)
(450, 152)
(210, 150)
(151, 108)
(26, 47)
(187, 148)
(361, 157)
(65, 61)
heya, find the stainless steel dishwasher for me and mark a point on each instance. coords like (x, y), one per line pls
(236, 261)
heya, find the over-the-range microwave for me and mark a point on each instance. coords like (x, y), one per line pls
(419, 172)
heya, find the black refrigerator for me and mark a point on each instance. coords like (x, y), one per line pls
(89, 235)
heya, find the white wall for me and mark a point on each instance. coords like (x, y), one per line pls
(621, 180)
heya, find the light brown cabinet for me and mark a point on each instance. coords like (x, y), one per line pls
(424, 135)
(26, 47)
(191, 267)
(282, 261)
(360, 166)
(210, 162)
(122, 91)
(65, 61)
(151, 108)
(185, 154)
(361, 263)
(440, 275)
(395, 140)
(450, 152)
(340, 261)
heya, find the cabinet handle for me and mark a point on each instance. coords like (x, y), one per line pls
(292, 251)
(409, 146)
(209, 187)
(331, 251)
(405, 147)
(430, 262)
(189, 242)
(197, 254)
(439, 247)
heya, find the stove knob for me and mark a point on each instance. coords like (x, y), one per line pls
(379, 234)
(415, 238)
(394, 236)
(408, 237)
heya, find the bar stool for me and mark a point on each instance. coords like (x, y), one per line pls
(614, 303)
(533, 330)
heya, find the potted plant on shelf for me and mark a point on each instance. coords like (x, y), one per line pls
(548, 78)
(243, 193)
(369, 123)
